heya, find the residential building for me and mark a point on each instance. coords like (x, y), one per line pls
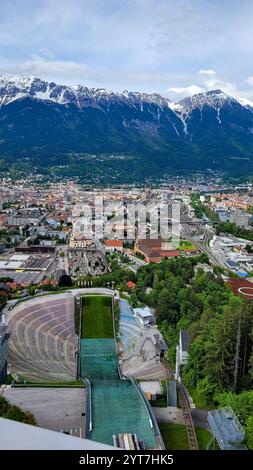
(155, 250)
(182, 353)
(240, 218)
(143, 315)
(114, 245)
(131, 285)
(77, 240)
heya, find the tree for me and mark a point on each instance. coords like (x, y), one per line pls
(9, 411)
(220, 324)
(156, 281)
(242, 405)
(6, 279)
(167, 306)
(249, 432)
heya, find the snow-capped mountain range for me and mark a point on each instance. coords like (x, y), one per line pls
(43, 117)
(14, 87)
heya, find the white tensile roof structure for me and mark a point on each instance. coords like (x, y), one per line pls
(20, 436)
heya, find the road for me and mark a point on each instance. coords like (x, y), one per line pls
(204, 247)
(62, 261)
(208, 233)
(137, 263)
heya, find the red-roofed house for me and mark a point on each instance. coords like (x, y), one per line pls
(155, 250)
(131, 285)
(114, 245)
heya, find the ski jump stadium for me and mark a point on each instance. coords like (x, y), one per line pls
(64, 337)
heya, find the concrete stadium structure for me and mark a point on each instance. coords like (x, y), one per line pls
(43, 341)
(43, 345)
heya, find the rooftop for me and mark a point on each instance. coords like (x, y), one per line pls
(114, 243)
(29, 437)
(184, 339)
(131, 284)
(144, 312)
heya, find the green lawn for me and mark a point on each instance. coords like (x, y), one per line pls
(73, 384)
(174, 436)
(96, 317)
(204, 438)
(198, 400)
(186, 245)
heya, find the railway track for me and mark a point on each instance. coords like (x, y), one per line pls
(192, 438)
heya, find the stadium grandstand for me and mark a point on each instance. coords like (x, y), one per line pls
(44, 347)
(43, 342)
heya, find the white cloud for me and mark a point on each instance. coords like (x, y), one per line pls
(207, 72)
(249, 80)
(125, 45)
(47, 53)
(208, 79)
(56, 69)
(188, 90)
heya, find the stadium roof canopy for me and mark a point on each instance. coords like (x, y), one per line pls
(20, 436)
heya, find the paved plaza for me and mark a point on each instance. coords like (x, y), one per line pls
(57, 409)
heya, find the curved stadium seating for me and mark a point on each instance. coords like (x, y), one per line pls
(43, 340)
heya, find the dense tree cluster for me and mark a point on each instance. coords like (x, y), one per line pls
(201, 209)
(233, 229)
(242, 405)
(220, 326)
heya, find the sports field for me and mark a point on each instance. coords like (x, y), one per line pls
(96, 317)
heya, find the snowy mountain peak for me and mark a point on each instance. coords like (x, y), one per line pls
(51, 122)
(246, 103)
(213, 98)
(14, 87)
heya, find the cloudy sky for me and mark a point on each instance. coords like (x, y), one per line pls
(174, 47)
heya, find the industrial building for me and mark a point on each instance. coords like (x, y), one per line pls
(26, 268)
